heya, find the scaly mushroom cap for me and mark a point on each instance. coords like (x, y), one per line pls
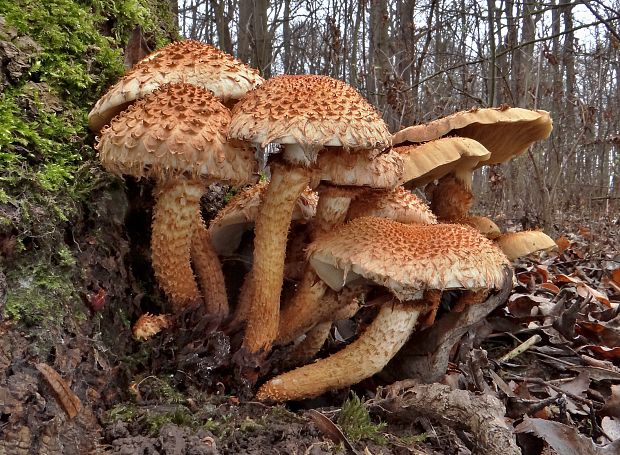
(518, 244)
(366, 168)
(483, 224)
(407, 259)
(178, 130)
(240, 213)
(149, 325)
(187, 61)
(399, 205)
(423, 163)
(505, 132)
(312, 111)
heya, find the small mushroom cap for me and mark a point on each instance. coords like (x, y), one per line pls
(187, 61)
(423, 163)
(399, 205)
(483, 224)
(149, 325)
(505, 132)
(407, 259)
(365, 168)
(311, 111)
(518, 244)
(178, 130)
(240, 214)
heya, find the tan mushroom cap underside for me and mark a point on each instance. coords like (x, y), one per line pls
(518, 244)
(240, 214)
(506, 132)
(399, 205)
(178, 130)
(310, 110)
(407, 259)
(423, 163)
(187, 61)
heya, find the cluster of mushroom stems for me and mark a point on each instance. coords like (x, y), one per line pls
(337, 216)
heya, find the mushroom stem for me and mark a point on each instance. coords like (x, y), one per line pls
(331, 210)
(243, 303)
(450, 198)
(176, 216)
(301, 312)
(309, 346)
(306, 308)
(271, 230)
(361, 359)
(313, 303)
(209, 271)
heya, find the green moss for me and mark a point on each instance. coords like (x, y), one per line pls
(47, 161)
(41, 292)
(356, 424)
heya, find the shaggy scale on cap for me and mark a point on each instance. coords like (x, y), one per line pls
(399, 205)
(505, 132)
(309, 110)
(407, 259)
(187, 61)
(178, 130)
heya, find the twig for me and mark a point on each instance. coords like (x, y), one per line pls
(521, 348)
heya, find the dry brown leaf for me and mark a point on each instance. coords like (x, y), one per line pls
(563, 243)
(550, 287)
(564, 439)
(615, 276)
(599, 332)
(603, 351)
(561, 278)
(584, 291)
(63, 393)
(329, 429)
(611, 427)
(612, 405)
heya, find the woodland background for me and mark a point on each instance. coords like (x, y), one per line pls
(417, 60)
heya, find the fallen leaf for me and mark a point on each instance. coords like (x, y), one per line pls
(584, 291)
(63, 393)
(611, 427)
(584, 231)
(329, 429)
(615, 276)
(565, 439)
(603, 351)
(550, 287)
(612, 405)
(599, 332)
(563, 243)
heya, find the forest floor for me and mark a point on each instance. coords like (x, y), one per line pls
(88, 387)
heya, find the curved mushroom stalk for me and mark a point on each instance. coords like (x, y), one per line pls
(316, 336)
(310, 345)
(209, 271)
(314, 303)
(272, 226)
(176, 216)
(361, 359)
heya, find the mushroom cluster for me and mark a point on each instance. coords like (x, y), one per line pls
(336, 226)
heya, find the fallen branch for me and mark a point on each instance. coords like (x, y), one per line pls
(425, 356)
(482, 415)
